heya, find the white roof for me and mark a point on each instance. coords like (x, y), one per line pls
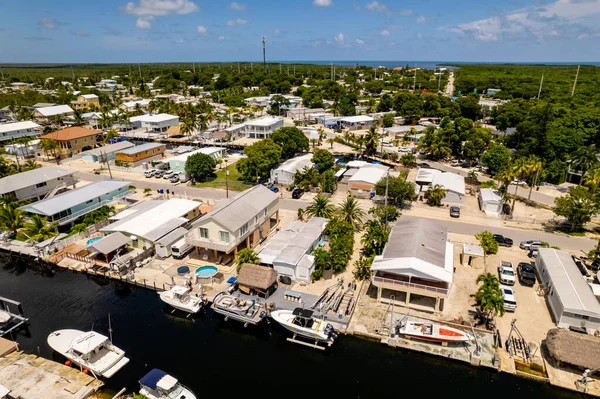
(132, 104)
(55, 110)
(153, 118)
(3, 391)
(89, 96)
(369, 174)
(166, 383)
(264, 121)
(357, 119)
(426, 175)
(490, 195)
(297, 163)
(88, 341)
(568, 283)
(30, 178)
(205, 150)
(450, 181)
(11, 127)
(356, 164)
(234, 128)
(473, 250)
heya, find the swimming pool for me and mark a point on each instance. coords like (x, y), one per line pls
(93, 240)
(206, 271)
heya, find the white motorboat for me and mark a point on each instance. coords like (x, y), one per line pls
(244, 310)
(5, 318)
(180, 298)
(89, 350)
(302, 322)
(430, 331)
(159, 385)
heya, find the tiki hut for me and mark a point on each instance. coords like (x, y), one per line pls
(255, 279)
(573, 349)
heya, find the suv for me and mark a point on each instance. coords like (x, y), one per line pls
(503, 241)
(506, 273)
(526, 274)
(297, 193)
(149, 173)
(454, 212)
(158, 174)
(531, 244)
(510, 302)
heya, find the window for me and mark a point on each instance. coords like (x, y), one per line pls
(74, 141)
(224, 235)
(266, 211)
(244, 229)
(42, 184)
(204, 232)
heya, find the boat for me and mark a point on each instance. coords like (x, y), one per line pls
(159, 385)
(303, 323)
(430, 331)
(5, 318)
(89, 350)
(248, 311)
(180, 298)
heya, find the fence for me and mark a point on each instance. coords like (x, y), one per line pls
(443, 291)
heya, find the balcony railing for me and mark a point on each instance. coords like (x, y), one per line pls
(406, 284)
(78, 214)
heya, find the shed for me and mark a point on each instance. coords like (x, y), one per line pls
(575, 349)
(472, 255)
(110, 243)
(257, 279)
(490, 201)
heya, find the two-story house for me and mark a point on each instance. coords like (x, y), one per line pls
(10, 131)
(73, 140)
(262, 128)
(85, 101)
(236, 223)
(36, 183)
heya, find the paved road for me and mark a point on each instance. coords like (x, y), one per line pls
(450, 85)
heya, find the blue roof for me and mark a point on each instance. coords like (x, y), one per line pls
(151, 379)
(140, 148)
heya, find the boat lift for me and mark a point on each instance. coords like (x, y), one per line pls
(18, 320)
(306, 314)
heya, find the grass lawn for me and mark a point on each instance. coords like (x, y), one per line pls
(217, 180)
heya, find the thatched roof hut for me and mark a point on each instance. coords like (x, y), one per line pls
(255, 278)
(574, 349)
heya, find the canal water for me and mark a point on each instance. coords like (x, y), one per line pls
(214, 357)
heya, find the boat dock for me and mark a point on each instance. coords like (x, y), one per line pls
(18, 320)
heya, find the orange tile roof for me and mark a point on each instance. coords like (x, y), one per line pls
(70, 133)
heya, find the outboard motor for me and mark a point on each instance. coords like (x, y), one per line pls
(263, 314)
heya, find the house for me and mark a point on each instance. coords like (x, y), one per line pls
(10, 131)
(24, 150)
(490, 201)
(570, 299)
(150, 221)
(49, 113)
(355, 122)
(74, 140)
(132, 105)
(290, 250)
(177, 163)
(141, 153)
(362, 183)
(284, 173)
(256, 279)
(236, 223)
(235, 130)
(67, 207)
(36, 183)
(155, 123)
(411, 133)
(416, 266)
(86, 101)
(262, 128)
(302, 113)
(105, 153)
(453, 183)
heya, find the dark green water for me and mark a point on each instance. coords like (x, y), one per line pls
(224, 359)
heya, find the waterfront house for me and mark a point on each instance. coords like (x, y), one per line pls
(452, 183)
(257, 280)
(105, 153)
(284, 173)
(570, 299)
(141, 153)
(86, 101)
(357, 122)
(416, 266)
(177, 163)
(74, 140)
(262, 128)
(36, 183)
(10, 131)
(50, 113)
(72, 205)
(362, 183)
(155, 123)
(240, 222)
(290, 250)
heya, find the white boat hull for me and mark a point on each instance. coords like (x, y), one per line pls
(433, 332)
(193, 305)
(286, 318)
(186, 393)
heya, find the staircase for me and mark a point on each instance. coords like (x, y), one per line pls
(56, 190)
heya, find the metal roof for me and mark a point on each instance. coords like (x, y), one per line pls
(450, 181)
(30, 178)
(110, 243)
(207, 150)
(11, 127)
(297, 163)
(264, 121)
(54, 110)
(489, 194)
(173, 236)
(357, 119)
(140, 148)
(369, 174)
(69, 199)
(108, 149)
(149, 118)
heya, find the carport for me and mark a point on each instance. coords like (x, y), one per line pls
(109, 244)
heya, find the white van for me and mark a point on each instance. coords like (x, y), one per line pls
(180, 249)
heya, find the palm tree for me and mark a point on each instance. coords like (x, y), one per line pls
(188, 126)
(300, 214)
(585, 158)
(11, 219)
(371, 141)
(439, 149)
(592, 179)
(15, 142)
(519, 169)
(79, 228)
(435, 195)
(330, 141)
(147, 191)
(246, 255)
(350, 212)
(535, 167)
(375, 237)
(320, 207)
(78, 117)
(202, 122)
(38, 229)
(489, 295)
(111, 134)
(50, 146)
(31, 164)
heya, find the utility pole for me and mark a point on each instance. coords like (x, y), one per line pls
(264, 44)
(332, 71)
(439, 79)
(575, 83)
(2, 73)
(415, 82)
(105, 159)
(387, 180)
(375, 68)
(280, 68)
(540, 90)
(294, 70)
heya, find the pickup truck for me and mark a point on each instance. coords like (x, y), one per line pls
(503, 241)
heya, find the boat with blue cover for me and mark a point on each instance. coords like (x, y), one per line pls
(159, 385)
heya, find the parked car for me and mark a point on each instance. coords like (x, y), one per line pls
(455, 163)
(158, 174)
(454, 212)
(386, 144)
(149, 173)
(506, 273)
(168, 174)
(297, 193)
(529, 244)
(175, 178)
(526, 274)
(519, 182)
(510, 302)
(503, 241)
(274, 189)
(403, 149)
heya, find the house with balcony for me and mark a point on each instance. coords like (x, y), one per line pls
(416, 266)
(52, 112)
(85, 101)
(68, 207)
(74, 140)
(155, 123)
(261, 128)
(243, 221)
(36, 183)
(10, 131)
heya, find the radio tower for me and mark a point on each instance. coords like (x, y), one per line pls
(264, 43)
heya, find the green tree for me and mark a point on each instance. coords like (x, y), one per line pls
(50, 146)
(323, 159)
(320, 207)
(261, 157)
(189, 125)
(200, 166)
(79, 228)
(111, 134)
(399, 191)
(362, 268)
(435, 195)
(350, 212)
(489, 184)
(246, 255)
(584, 159)
(388, 120)
(371, 141)
(534, 167)
(496, 159)
(375, 237)
(11, 219)
(329, 183)
(487, 242)
(408, 160)
(489, 296)
(519, 169)
(385, 103)
(147, 191)
(38, 229)
(578, 207)
(385, 213)
(292, 141)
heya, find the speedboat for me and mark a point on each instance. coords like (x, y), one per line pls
(89, 350)
(244, 310)
(159, 385)
(302, 322)
(180, 298)
(5, 318)
(429, 331)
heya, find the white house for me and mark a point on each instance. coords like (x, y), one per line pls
(36, 183)
(453, 183)
(9, 131)
(131, 105)
(155, 123)
(355, 122)
(177, 163)
(363, 182)
(490, 201)
(289, 251)
(46, 113)
(262, 128)
(284, 173)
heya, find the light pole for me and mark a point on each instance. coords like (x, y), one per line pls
(226, 180)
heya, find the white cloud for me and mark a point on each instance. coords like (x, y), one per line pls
(376, 6)
(235, 22)
(339, 38)
(583, 36)
(406, 13)
(419, 35)
(49, 23)
(160, 7)
(144, 22)
(179, 41)
(201, 29)
(421, 19)
(237, 6)
(323, 3)
(360, 42)
(221, 38)
(385, 32)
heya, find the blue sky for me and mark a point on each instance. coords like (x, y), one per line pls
(201, 31)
